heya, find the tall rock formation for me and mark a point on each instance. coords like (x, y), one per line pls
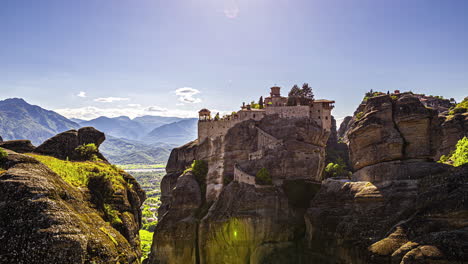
(400, 206)
(236, 221)
(50, 218)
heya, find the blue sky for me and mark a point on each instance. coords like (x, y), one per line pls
(112, 57)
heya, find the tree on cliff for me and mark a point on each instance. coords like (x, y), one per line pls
(263, 177)
(307, 91)
(260, 102)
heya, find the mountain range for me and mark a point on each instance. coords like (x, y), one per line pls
(145, 140)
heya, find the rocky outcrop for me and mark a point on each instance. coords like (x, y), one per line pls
(63, 145)
(20, 146)
(177, 232)
(392, 129)
(47, 220)
(344, 126)
(453, 128)
(198, 230)
(413, 216)
(399, 206)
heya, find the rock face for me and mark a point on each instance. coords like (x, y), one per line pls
(344, 126)
(398, 207)
(47, 220)
(198, 229)
(20, 146)
(413, 217)
(453, 128)
(393, 129)
(63, 145)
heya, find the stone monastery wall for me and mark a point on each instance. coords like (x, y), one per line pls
(242, 176)
(289, 111)
(217, 128)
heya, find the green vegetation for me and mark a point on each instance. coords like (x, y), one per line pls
(102, 180)
(105, 231)
(338, 169)
(88, 152)
(371, 94)
(3, 154)
(459, 156)
(263, 177)
(77, 173)
(460, 108)
(113, 216)
(146, 239)
(300, 95)
(359, 115)
(199, 169)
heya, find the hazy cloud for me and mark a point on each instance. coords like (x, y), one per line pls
(81, 94)
(110, 99)
(186, 95)
(231, 9)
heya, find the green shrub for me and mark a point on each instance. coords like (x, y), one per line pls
(146, 239)
(199, 169)
(112, 216)
(459, 156)
(460, 108)
(87, 152)
(359, 115)
(338, 169)
(263, 177)
(3, 154)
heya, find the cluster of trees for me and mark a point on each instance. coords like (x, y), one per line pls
(301, 96)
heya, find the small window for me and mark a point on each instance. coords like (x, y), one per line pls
(326, 118)
(254, 115)
(319, 117)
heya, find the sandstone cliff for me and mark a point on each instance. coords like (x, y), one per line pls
(399, 206)
(56, 211)
(237, 221)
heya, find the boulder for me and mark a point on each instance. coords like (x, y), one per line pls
(20, 146)
(63, 145)
(88, 135)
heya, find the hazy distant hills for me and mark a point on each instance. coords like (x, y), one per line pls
(125, 151)
(20, 120)
(177, 133)
(134, 129)
(146, 139)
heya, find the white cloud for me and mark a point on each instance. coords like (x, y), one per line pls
(110, 99)
(231, 9)
(81, 94)
(91, 112)
(186, 95)
(134, 105)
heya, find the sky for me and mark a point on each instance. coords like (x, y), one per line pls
(89, 58)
